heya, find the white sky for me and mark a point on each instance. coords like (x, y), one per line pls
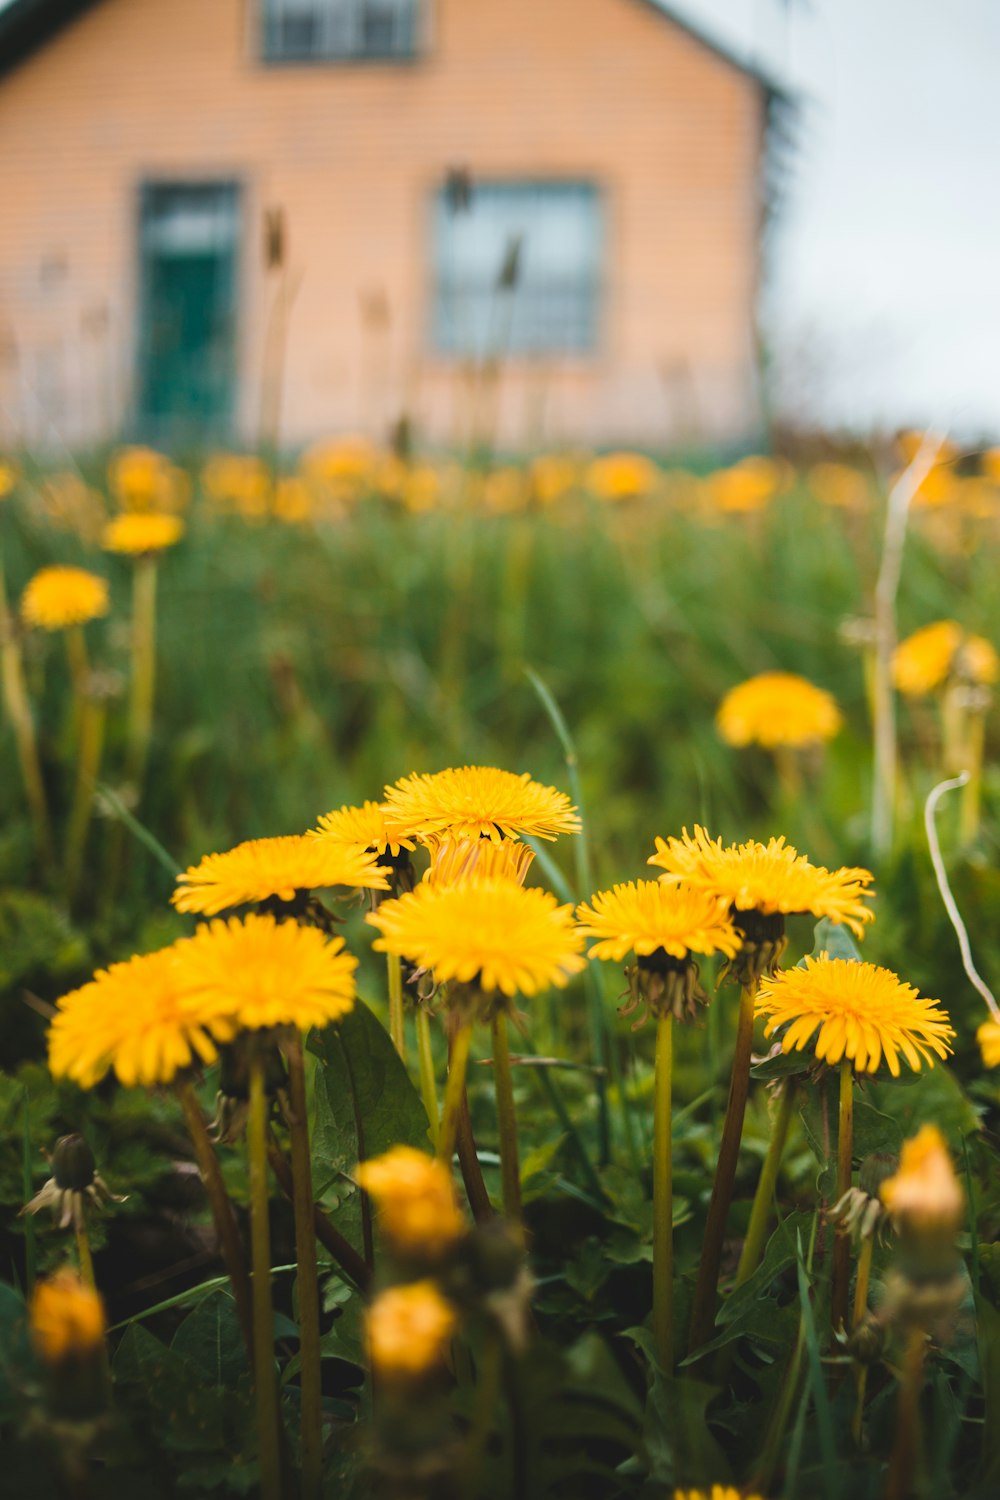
(884, 301)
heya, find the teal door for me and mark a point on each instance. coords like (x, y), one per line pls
(187, 331)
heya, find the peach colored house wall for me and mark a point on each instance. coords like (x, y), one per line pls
(606, 90)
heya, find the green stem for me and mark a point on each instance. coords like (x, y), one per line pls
(83, 1253)
(265, 1382)
(92, 720)
(15, 695)
(397, 1029)
(143, 684)
(223, 1217)
(899, 1484)
(760, 1214)
(860, 1309)
(308, 1279)
(703, 1311)
(503, 1078)
(972, 791)
(845, 1164)
(458, 1063)
(663, 1196)
(487, 1390)
(425, 1060)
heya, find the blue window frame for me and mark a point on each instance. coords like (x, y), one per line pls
(339, 30)
(517, 268)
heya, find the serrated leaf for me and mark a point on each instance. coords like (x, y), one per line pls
(210, 1338)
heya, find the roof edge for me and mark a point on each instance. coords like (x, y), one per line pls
(720, 49)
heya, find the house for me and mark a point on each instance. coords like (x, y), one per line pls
(276, 219)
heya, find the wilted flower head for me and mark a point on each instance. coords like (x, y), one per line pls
(409, 1329)
(415, 1195)
(57, 598)
(456, 860)
(778, 708)
(74, 1184)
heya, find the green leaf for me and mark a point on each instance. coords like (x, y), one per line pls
(187, 1411)
(988, 1334)
(835, 940)
(17, 1362)
(678, 1446)
(365, 1103)
(210, 1338)
(936, 1099)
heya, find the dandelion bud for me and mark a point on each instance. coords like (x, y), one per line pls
(66, 1321)
(73, 1164)
(416, 1201)
(409, 1329)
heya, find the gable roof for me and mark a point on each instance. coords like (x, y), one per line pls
(26, 25)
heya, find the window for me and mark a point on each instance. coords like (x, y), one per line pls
(313, 30)
(517, 269)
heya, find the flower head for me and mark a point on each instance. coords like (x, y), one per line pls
(778, 708)
(456, 860)
(143, 480)
(137, 533)
(769, 878)
(74, 1186)
(366, 827)
(479, 802)
(622, 476)
(138, 1018)
(645, 917)
(988, 1037)
(492, 933)
(925, 1194)
(57, 598)
(409, 1329)
(263, 973)
(278, 869)
(664, 926)
(854, 1010)
(416, 1199)
(924, 661)
(717, 1492)
(66, 1318)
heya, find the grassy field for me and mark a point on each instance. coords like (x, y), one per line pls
(317, 639)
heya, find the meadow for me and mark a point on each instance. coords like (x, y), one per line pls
(489, 1213)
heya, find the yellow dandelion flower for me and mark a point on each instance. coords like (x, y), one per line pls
(57, 598)
(747, 486)
(143, 480)
(455, 860)
(778, 708)
(622, 476)
(553, 476)
(138, 1018)
(274, 869)
(8, 478)
(418, 1211)
(479, 802)
(409, 1329)
(267, 973)
(923, 662)
(366, 827)
(925, 1193)
(137, 533)
(648, 917)
(717, 1492)
(771, 878)
(988, 1037)
(840, 486)
(977, 661)
(66, 1318)
(853, 1010)
(491, 932)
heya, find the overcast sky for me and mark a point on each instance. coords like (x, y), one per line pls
(885, 284)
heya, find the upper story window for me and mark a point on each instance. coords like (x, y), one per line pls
(517, 269)
(316, 30)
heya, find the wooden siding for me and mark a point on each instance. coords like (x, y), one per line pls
(146, 90)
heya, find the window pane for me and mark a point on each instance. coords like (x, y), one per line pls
(303, 30)
(550, 303)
